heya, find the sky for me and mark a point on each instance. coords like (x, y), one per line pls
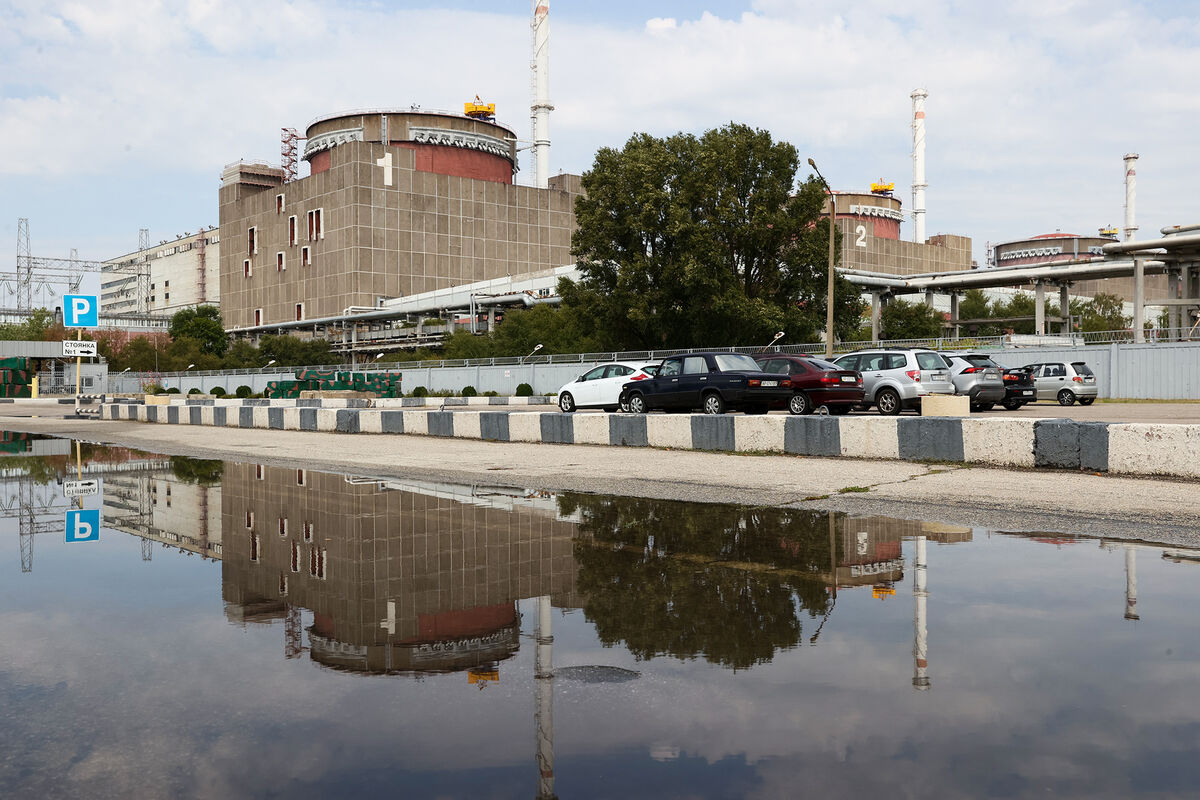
(117, 115)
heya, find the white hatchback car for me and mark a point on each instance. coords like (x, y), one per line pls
(600, 387)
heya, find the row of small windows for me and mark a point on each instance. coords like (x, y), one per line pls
(316, 231)
(318, 559)
(258, 314)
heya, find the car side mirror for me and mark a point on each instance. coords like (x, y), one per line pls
(579, 379)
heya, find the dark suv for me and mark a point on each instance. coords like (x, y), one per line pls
(712, 382)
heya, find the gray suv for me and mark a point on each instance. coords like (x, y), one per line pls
(894, 379)
(978, 377)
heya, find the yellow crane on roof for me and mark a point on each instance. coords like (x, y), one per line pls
(1111, 230)
(879, 187)
(480, 110)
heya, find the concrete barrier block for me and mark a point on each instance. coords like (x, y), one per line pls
(390, 402)
(493, 425)
(347, 419)
(1003, 441)
(391, 420)
(227, 402)
(416, 422)
(440, 423)
(291, 419)
(478, 401)
(369, 420)
(627, 430)
(206, 416)
(327, 419)
(1056, 443)
(1093, 446)
(220, 416)
(930, 439)
(261, 416)
(669, 430)
(191, 415)
(558, 428)
(173, 413)
(525, 426)
(945, 405)
(466, 425)
(866, 437)
(591, 428)
(1154, 449)
(275, 417)
(759, 433)
(811, 436)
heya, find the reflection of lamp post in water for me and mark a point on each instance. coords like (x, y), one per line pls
(1131, 583)
(920, 635)
(543, 673)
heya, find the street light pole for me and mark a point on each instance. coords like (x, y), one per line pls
(829, 287)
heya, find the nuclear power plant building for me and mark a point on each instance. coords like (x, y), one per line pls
(397, 203)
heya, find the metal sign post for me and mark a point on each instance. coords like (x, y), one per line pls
(80, 311)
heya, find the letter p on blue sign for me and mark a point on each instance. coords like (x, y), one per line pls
(81, 310)
(83, 526)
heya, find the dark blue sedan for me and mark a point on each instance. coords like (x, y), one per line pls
(711, 382)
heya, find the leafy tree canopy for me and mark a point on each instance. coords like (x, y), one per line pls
(901, 319)
(202, 324)
(690, 241)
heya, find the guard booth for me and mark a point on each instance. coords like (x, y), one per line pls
(56, 374)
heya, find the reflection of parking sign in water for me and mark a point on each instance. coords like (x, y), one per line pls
(84, 525)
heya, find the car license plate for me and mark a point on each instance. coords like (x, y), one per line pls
(1027, 393)
(770, 383)
(848, 379)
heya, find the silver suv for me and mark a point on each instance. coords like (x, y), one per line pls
(1064, 382)
(978, 377)
(894, 379)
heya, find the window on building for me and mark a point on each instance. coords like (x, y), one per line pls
(299, 311)
(295, 557)
(249, 520)
(152, 286)
(305, 256)
(301, 479)
(278, 204)
(308, 531)
(283, 585)
(316, 227)
(253, 546)
(316, 562)
(283, 526)
(258, 316)
(247, 271)
(252, 241)
(166, 296)
(280, 262)
(166, 284)
(258, 469)
(292, 232)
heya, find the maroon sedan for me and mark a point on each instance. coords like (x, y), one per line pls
(815, 383)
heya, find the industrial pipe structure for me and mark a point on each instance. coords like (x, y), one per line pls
(918, 156)
(541, 108)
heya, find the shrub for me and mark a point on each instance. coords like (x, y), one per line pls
(469, 391)
(524, 390)
(243, 391)
(491, 394)
(193, 390)
(153, 388)
(420, 391)
(172, 390)
(217, 391)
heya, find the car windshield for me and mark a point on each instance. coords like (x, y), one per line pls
(979, 361)
(732, 362)
(826, 366)
(930, 361)
(1082, 368)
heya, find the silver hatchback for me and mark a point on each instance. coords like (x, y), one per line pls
(898, 379)
(1064, 382)
(978, 377)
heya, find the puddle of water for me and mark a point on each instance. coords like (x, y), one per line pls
(240, 630)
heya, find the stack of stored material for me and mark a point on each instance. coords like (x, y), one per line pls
(13, 442)
(15, 377)
(380, 384)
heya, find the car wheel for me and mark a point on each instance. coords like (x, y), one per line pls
(1066, 398)
(888, 402)
(1086, 401)
(566, 403)
(623, 405)
(712, 403)
(1011, 405)
(800, 404)
(637, 403)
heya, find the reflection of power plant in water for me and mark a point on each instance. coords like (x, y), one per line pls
(544, 701)
(1131, 583)
(920, 633)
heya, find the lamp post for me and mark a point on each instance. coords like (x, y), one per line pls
(189, 366)
(778, 336)
(531, 352)
(829, 288)
(269, 363)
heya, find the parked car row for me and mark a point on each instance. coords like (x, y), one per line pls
(888, 379)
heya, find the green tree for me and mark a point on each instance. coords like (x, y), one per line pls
(292, 351)
(975, 305)
(203, 324)
(40, 326)
(901, 319)
(1104, 312)
(687, 241)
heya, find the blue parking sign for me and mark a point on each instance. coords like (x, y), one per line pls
(83, 525)
(81, 310)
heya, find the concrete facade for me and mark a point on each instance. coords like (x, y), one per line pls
(184, 273)
(378, 221)
(1050, 247)
(869, 226)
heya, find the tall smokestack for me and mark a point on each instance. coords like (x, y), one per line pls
(541, 108)
(918, 182)
(1130, 194)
